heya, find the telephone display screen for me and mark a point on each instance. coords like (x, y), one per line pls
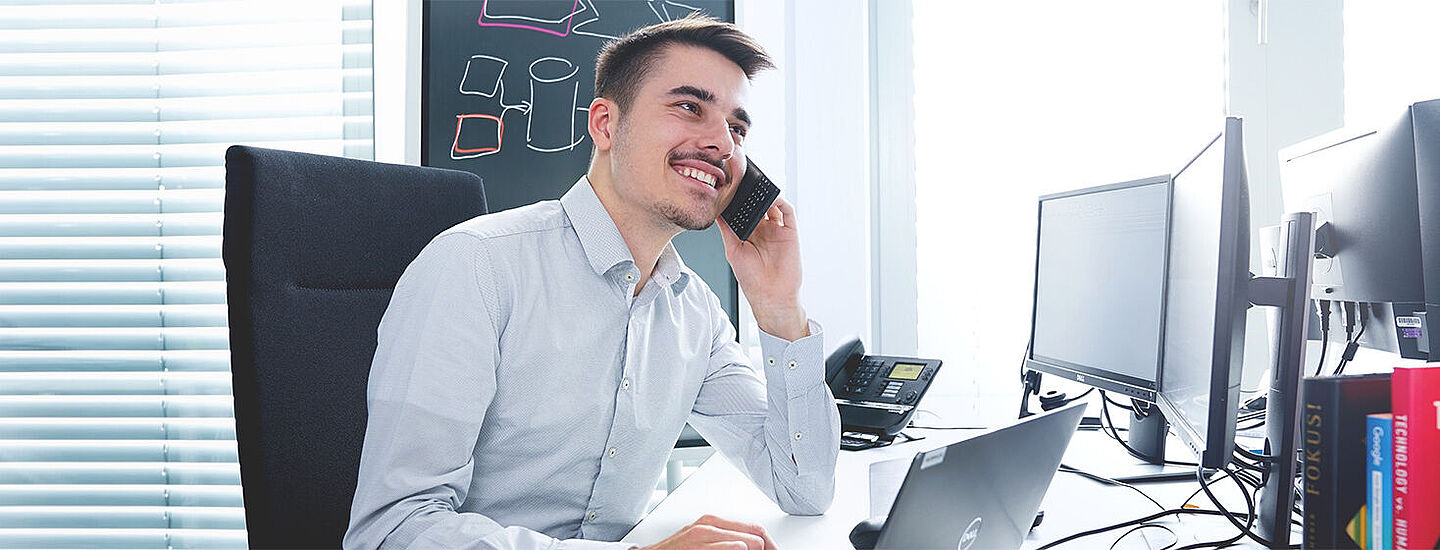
(906, 371)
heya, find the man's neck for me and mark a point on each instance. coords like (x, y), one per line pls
(645, 238)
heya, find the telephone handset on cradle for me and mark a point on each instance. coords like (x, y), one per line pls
(876, 394)
(752, 199)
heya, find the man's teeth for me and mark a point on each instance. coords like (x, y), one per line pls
(698, 174)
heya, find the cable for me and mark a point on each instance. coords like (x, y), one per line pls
(1138, 521)
(1323, 308)
(1116, 403)
(1245, 530)
(1146, 525)
(1353, 346)
(1253, 455)
(1105, 410)
(1109, 481)
(1070, 400)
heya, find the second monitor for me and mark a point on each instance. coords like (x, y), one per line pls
(1099, 296)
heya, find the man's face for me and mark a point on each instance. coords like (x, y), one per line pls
(677, 151)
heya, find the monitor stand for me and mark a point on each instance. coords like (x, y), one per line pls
(1147, 432)
(1146, 435)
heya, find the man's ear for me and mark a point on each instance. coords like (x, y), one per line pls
(603, 116)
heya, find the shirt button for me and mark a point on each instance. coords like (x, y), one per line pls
(625, 384)
(793, 365)
(629, 276)
(770, 360)
(797, 436)
(610, 452)
(590, 516)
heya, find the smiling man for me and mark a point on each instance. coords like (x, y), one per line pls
(536, 365)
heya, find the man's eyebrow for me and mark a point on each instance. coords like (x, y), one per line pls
(708, 97)
(692, 91)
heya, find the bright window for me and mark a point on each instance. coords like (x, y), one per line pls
(116, 422)
(1017, 99)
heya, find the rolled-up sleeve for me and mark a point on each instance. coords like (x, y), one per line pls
(782, 431)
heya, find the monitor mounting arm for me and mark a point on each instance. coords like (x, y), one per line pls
(1286, 290)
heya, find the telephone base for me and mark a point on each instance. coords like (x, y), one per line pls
(859, 441)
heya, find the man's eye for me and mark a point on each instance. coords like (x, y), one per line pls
(738, 129)
(688, 106)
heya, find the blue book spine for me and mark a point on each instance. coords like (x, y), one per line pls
(1378, 487)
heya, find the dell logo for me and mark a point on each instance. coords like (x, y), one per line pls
(971, 534)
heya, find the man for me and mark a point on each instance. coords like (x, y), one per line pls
(536, 365)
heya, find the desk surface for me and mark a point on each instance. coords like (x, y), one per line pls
(1073, 503)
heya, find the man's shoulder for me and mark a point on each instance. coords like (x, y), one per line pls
(532, 219)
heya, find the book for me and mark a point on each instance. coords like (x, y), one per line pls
(1377, 482)
(1415, 456)
(1333, 425)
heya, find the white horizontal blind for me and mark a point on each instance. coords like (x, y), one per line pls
(116, 424)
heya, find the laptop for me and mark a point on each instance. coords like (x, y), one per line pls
(982, 492)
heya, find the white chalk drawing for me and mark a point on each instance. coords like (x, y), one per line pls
(554, 106)
(555, 117)
(594, 11)
(669, 10)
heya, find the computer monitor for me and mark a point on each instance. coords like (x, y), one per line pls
(1206, 296)
(1099, 276)
(1099, 291)
(1375, 189)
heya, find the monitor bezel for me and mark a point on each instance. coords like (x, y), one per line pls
(1130, 386)
(1214, 448)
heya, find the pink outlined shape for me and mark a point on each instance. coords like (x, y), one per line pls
(481, 151)
(569, 20)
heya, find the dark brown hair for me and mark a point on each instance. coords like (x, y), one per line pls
(625, 63)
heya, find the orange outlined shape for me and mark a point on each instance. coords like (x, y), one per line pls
(458, 153)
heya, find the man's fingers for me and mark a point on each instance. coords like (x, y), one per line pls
(727, 235)
(737, 526)
(710, 534)
(775, 215)
(787, 211)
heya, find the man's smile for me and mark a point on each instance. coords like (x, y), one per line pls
(699, 170)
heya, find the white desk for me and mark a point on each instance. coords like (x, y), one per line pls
(1073, 503)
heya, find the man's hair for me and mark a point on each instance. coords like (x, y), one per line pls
(624, 64)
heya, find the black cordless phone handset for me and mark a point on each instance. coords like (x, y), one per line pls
(752, 199)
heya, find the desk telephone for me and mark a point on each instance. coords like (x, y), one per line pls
(876, 394)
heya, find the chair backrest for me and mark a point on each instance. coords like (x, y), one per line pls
(313, 246)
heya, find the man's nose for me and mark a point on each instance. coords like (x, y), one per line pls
(717, 138)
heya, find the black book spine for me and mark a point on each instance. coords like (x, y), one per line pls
(1317, 417)
(1333, 427)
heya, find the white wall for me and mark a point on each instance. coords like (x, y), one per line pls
(1288, 86)
(397, 81)
(828, 172)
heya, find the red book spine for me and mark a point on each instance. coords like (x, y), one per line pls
(1415, 397)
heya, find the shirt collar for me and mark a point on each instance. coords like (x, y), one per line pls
(604, 248)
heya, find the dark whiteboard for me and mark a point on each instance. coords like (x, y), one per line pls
(506, 85)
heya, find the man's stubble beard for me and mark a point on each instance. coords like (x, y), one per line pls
(665, 209)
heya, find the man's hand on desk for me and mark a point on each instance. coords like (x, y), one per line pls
(713, 532)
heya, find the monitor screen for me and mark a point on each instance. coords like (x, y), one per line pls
(1100, 271)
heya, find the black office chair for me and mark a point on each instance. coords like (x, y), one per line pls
(313, 246)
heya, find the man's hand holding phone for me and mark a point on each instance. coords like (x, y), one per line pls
(767, 266)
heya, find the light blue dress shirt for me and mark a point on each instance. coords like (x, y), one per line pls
(520, 398)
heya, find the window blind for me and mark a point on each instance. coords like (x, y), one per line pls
(116, 424)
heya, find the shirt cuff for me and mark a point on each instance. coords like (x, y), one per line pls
(796, 362)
